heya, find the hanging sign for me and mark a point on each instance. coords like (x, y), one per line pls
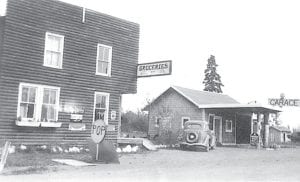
(254, 139)
(154, 69)
(284, 102)
(113, 115)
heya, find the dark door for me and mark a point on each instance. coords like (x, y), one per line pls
(218, 129)
(243, 129)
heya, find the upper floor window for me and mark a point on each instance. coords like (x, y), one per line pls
(54, 45)
(104, 56)
(38, 103)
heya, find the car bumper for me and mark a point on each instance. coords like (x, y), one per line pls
(192, 144)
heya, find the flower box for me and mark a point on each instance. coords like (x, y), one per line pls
(51, 124)
(28, 123)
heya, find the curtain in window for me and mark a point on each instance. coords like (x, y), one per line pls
(27, 104)
(49, 109)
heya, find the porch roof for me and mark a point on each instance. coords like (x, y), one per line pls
(241, 107)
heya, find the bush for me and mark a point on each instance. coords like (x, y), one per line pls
(167, 137)
(131, 121)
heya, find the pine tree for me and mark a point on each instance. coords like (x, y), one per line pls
(212, 81)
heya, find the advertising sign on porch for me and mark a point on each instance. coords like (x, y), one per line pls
(154, 69)
(254, 139)
(284, 102)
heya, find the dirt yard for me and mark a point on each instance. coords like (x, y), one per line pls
(222, 164)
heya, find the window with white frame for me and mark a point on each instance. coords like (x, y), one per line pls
(228, 126)
(49, 106)
(101, 103)
(54, 45)
(38, 103)
(184, 120)
(27, 102)
(104, 57)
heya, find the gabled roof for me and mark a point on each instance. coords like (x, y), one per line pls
(198, 98)
(281, 128)
(211, 100)
(204, 97)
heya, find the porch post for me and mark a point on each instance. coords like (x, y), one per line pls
(259, 129)
(266, 129)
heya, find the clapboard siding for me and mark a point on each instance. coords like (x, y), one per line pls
(26, 23)
(171, 107)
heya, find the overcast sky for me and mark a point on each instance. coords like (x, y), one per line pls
(256, 44)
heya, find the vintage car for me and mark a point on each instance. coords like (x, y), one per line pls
(197, 135)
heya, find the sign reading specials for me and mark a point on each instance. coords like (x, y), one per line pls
(284, 102)
(154, 69)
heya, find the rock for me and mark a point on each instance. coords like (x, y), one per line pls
(54, 150)
(12, 149)
(23, 147)
(119, 150)
(135, 149)
(127, 149)
(60, 149)
(74, 150)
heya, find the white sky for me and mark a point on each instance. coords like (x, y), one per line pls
(256, 44)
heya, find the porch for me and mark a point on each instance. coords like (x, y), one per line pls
(234, 124)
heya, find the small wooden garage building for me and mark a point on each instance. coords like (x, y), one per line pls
(232, 122)
(279, 134)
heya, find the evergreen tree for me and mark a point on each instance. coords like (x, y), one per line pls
(212, 81)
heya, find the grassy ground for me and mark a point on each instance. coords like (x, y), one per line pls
(37, 162)
(222, 164)
(41, 159)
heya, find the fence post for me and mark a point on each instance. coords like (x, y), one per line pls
(4, 155)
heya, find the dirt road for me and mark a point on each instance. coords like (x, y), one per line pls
(222, 164)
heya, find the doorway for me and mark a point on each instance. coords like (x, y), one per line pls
(218, 128)
(243, 129)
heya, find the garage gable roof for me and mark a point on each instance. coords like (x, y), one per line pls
(281, 129)
(203, 97)
(211, 100)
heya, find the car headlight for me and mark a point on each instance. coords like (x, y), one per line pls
(192, 137)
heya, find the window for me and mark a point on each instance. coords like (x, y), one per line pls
(157, 121)
(38, 103)
(49, 104)
(101, 103)
(53, 55)
(183, 120)
(211, 121)
(28, 102)
(104, 56)
(228, 126)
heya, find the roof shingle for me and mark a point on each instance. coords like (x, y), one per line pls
(204, 97)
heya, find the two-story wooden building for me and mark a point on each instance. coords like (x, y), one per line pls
(61, 68)
(232, 122)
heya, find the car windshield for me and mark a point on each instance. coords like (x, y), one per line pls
(194, 126)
